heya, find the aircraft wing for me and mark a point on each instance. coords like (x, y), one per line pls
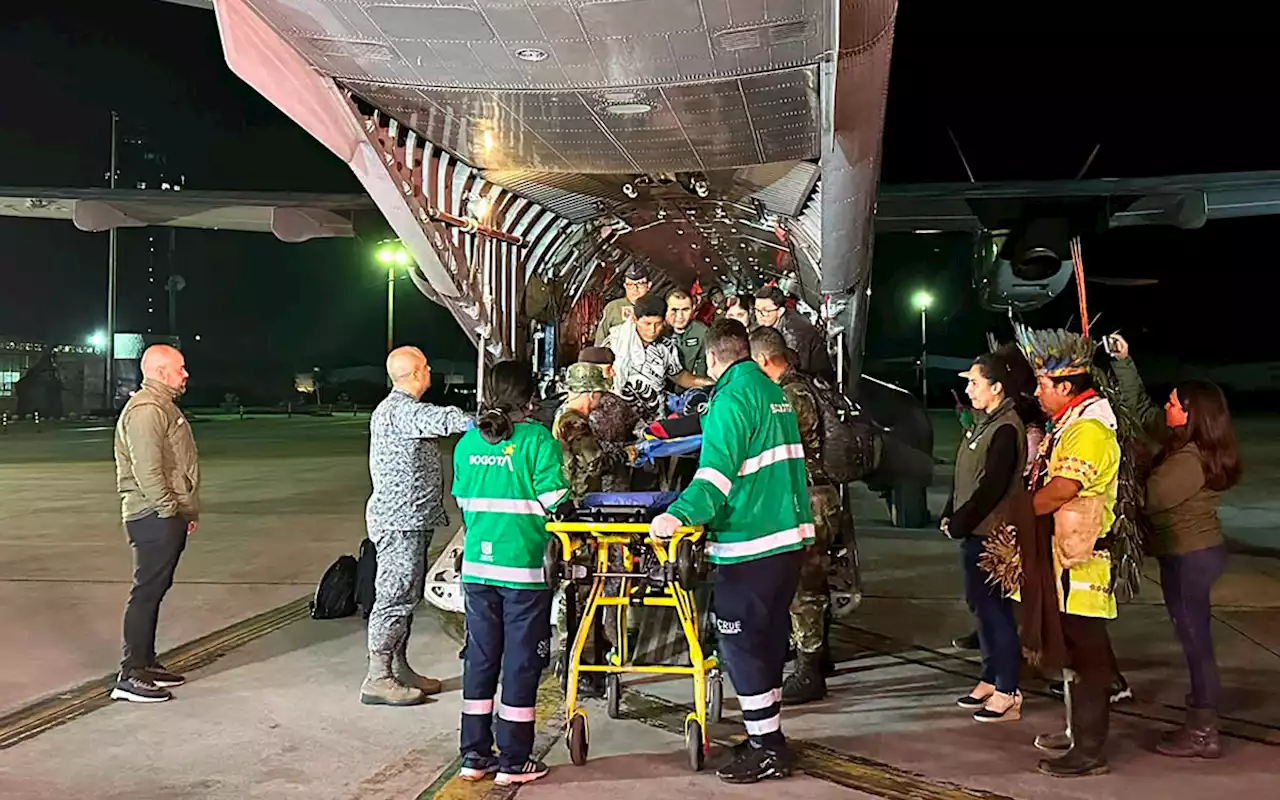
(1184, 201)
(290, 217)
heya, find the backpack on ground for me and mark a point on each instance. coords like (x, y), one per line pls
(848, 438)
(366, 575)
(336, 593)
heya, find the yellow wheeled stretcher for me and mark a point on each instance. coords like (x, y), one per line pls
(650, 573)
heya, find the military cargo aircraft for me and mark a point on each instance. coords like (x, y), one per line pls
(533, 151)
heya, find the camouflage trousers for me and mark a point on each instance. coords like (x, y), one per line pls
(809, 607)
(399, 584)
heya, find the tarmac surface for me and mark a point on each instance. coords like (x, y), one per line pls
(271, 710)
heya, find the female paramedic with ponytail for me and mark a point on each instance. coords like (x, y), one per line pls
(507, 475)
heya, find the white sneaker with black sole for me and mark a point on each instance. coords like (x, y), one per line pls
(139, 690)
(531, 771)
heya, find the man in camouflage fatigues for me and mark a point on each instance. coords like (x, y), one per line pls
(585, 462)
(587, 466)
(813, 597)
(613, 423)
(407, 503)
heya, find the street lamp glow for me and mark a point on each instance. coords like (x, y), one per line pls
(922, 300)
(98, 340)
(393, 254)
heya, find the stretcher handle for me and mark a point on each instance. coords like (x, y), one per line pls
(620, 528)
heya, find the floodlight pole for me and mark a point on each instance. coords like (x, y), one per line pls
(924, 355)
(109, 388)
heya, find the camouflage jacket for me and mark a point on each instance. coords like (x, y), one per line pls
(585, 463)
(404, 463)
(802, 399)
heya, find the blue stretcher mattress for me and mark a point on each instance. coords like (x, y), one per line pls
(655, 501)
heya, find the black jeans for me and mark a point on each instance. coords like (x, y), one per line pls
(997, 627)
(1186, 580)
(157, 545)
(1089, 652)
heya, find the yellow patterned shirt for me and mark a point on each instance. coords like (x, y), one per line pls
(1087, 452)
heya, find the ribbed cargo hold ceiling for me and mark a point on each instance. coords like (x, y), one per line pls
(616, 86)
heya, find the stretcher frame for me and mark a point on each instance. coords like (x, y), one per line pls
(708, 692)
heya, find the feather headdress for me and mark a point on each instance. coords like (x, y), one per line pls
(1055, 353)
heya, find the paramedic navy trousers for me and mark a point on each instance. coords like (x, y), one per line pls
(508, 631)
(752, 603)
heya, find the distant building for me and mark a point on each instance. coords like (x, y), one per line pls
(56, 380)
(148, 272)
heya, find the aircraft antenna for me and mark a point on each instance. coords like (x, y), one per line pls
(960, 152)
(1088, 161)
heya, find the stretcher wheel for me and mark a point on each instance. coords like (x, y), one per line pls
(613, 696)
(690, 564)
(578, 740)
(693, 745)
(551, 556)
(715, 696)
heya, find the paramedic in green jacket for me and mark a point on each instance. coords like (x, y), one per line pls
(507, 475)
(749, 492)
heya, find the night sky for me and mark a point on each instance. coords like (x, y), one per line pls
(1028, 98)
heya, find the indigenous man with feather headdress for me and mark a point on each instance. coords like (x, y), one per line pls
(1074, 479)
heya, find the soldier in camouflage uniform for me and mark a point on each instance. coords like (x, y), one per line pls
(586, 464)
(407, 503)
(613, 423)
(813, 598)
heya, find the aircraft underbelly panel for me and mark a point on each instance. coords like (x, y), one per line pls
(685, 133)
(708, 125)
(593, 86)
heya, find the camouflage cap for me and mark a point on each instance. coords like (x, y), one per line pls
(582, 378)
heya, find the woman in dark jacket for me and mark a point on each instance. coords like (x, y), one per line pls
(988, 470)
(1196, 463)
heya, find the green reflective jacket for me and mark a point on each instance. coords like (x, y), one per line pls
(749, 489)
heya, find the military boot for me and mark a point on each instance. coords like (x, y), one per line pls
(1090, 722)
(1198, 738)
(404, 673)
(380, 688)
(807, 683)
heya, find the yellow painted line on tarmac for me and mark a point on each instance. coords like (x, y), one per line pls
(879, 779)
(918, 655)
(843, 769)
(549, 723)
(50, 712)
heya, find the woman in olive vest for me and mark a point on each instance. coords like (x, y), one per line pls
(1198, 461)
(988, 471)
